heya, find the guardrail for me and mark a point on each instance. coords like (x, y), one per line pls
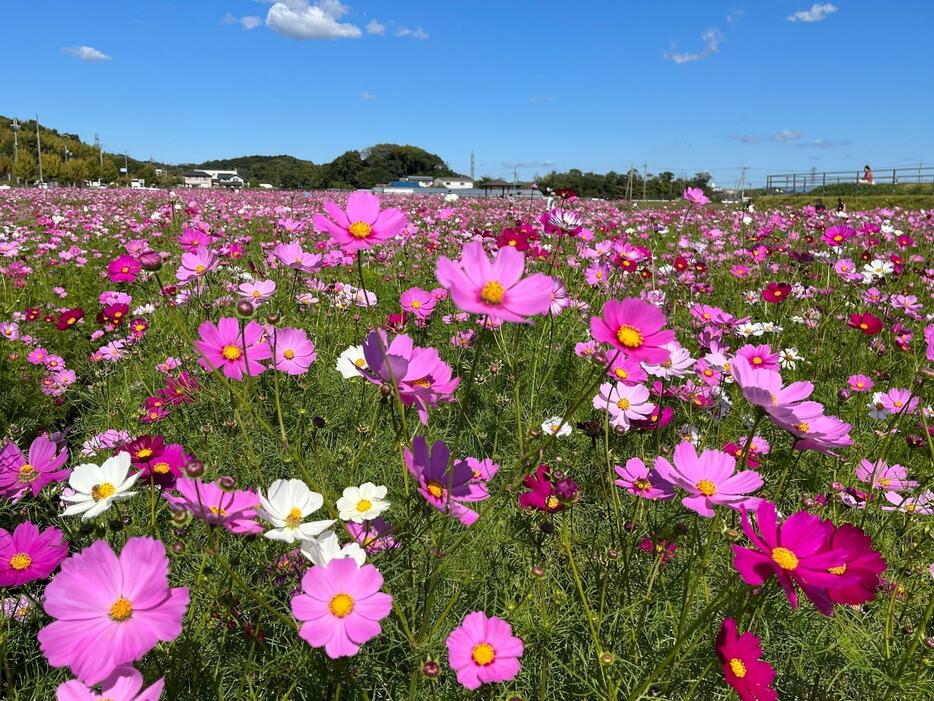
(805, 182)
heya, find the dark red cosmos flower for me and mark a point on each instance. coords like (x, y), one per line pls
(138, 326)
(513, 238)
(861, 560)
(736, 450)
(69, 318)
(542, 494)
(144, 449)
(659, 546)
(113, 314)
(868, 323)
(179, 391)
(33, 313)
(681, 264)
(776, 292)
(750, 676)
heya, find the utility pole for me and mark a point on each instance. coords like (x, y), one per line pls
(39, 149)
(100, 152)
(471, 165)
(742, 184)
(645, 177)
(126, 169)
(15, 145)
(515, 172)
(629, 184)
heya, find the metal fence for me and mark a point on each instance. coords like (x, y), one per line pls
(805, 182)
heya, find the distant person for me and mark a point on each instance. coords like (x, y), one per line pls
(841, 205)
(868, 177)
(819, 206)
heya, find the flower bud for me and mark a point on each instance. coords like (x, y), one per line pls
(431, 669)
(245, 309)
(227, 483)
(150, 260)
(194, 469)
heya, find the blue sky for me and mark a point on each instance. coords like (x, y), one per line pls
(772, 84)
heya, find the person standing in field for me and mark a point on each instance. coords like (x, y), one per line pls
(868, 177)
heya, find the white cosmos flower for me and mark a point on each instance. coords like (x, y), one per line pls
(678, 364)
(876, 410)
(877, 268)
(286, 506)
(363, 503)
(351, 359)
(96, 487)
(326, 547)
(789, 358)
(556, 426)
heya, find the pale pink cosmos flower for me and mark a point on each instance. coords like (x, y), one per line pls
(257, 291)
(291, 255)
(495, 288)
(124, 684)
(639, 480)
(625, 403)
(294, 353)
(362, 224)
(710, 479)
(419, 302)
(196, 264)
(881, 475)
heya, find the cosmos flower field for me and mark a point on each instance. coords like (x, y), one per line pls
(270, 445)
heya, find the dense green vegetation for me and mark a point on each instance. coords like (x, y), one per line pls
(852, 203)
(618, 186)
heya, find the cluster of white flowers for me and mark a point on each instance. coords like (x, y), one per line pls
(757, 328)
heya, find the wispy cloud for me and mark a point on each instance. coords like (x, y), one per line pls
(818, 12)
(367, 96)
(417, 33)
(746, 138)
(787, 135)
(712, 39)
(248, 23)
(87, 53)
(301, 19)
(735, 16)
(375, 27)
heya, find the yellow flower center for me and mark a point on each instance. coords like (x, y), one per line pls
(629, 336)
(102, 491)
(20, 561)
(364, 505)
(884, 482)
(785, 559)
(483, 654)
(620, 373)
(288, 354)
(231, 352)
(838, 238)
(416, 304)
(552, 502)
(71, 320)
(436, 489)
(910, 508)
(623, 404)
(256, 293)
(738, 668)
(124, 269)
(199, 268)
(121, 610)
(838, 570)
(757, 360)
(359, 362)
(294, 518)
(706, 487)
(863, 325)
(143, 452)
(642, 484)
(777, 293)
(161, 468)
(341, 605)
(360, 229)
(803, 426)
(27, 473)
(492, 292)
(217, 511)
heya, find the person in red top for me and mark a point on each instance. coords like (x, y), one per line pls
(867, 175)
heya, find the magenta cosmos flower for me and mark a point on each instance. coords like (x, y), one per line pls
(27, 554)
(740, 657)
(232, 509)
(419, 302)
(125, 684)
(483, 650)
(123, 269)
(710, 479)
(294, 353)
(796, 552)
(110, 611)
(541, 494)
(19, 473)
(222, 346)
(196, 264)
(362, 225)
(639, 480)
(444, 489)
(495, 288)
(634, 327)
(341, 606)
(862, 562)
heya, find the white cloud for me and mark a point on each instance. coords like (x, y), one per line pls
(250, 22)
(746, 138)
(712, 39)
(87, 53)
(300, 19)
(817, 13)
(417, 33)
(375, 27)
(367, 96)
(735, 15)
(787, 135)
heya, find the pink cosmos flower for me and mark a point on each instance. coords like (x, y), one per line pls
(860, 383)
(362, 225)
(123, 269)
(19, 474)
(624, 369)
(232, 509)
(744, 670)
(221, 346)
(196, 264)
(881, 475)
(625, 403)
(419, 302)
(483, 650)
(294, 353)
(639, 480)
(921, 504)
(293, 256)
(444, 489)
(776, 292)
(257, 291)
(759, 357)
(124, 684)
(838, 235)
(110, 611)
(695, 195)
(496, 289)
(28, 554)
(541, 494)
(796, 552)
(341, 606)
(861, 561)
(711, 479)
(634, 327)
(898, 400)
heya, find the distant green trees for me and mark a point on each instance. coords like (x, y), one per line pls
(614, 186)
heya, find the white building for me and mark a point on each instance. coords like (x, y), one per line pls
(212, 178)
(455, 182)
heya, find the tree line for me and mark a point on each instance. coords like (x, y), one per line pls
(616, 186)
